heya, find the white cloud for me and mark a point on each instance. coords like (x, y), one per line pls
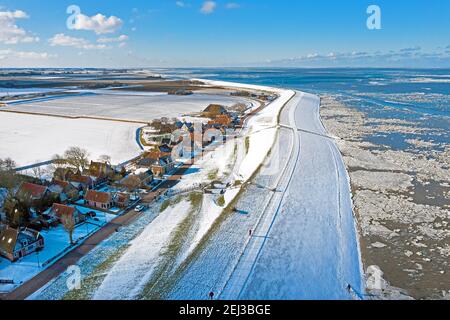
(232, 5)
(99, 23)
(312, 55)
(121, 38)
(208, 7)
(10, 33)
(63, 40)
(376, 58)
(12, 54)
(180, 4)
(18, 14)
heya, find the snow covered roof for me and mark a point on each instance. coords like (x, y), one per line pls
(140, 171)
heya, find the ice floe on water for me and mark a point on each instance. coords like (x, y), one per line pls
(400, 193)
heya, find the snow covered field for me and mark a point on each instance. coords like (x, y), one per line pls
(29, 139)
(124, 105)
(56, 242)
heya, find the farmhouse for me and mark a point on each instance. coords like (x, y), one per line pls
(30, 192)
(100, 170)
(122, 200)
(96, 199)
(15, 244)
(143, 175)
(62, 212)
(64, 190)
(63, 174)
(221, 120)
(159, 166)
(82, 182)
(214, 110)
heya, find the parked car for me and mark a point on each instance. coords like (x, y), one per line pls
(140, 208)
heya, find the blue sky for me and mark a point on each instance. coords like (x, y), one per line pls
(198, 33)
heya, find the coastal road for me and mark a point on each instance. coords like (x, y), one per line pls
(305, 246)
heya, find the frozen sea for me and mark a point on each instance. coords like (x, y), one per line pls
(421, 96)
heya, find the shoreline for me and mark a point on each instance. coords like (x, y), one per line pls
(400, 201)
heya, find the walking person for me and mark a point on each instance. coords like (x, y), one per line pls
(211, 295)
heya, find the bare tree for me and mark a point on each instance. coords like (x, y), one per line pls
(58, 162)
(105, 158)
(9, 179)
(38, 172)
(77, 157)
(69, 225)
(7, 164)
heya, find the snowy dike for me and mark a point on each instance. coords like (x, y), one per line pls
(303, 242)
(147, 255)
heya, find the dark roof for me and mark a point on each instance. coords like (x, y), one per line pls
(147, 162)
(98, 169)
(165, 148)
(8, 239)
(215, 109)
(165, 160)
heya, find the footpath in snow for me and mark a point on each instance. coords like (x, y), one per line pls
(310, 248)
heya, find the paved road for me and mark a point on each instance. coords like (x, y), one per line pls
(305, 246)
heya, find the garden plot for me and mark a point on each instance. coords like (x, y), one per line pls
(56, 244)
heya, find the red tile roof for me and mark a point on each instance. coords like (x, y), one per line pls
(60, 210)
(36, 191)
(122, 197)
(96, 196)
(81, 179)
(62, 184)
